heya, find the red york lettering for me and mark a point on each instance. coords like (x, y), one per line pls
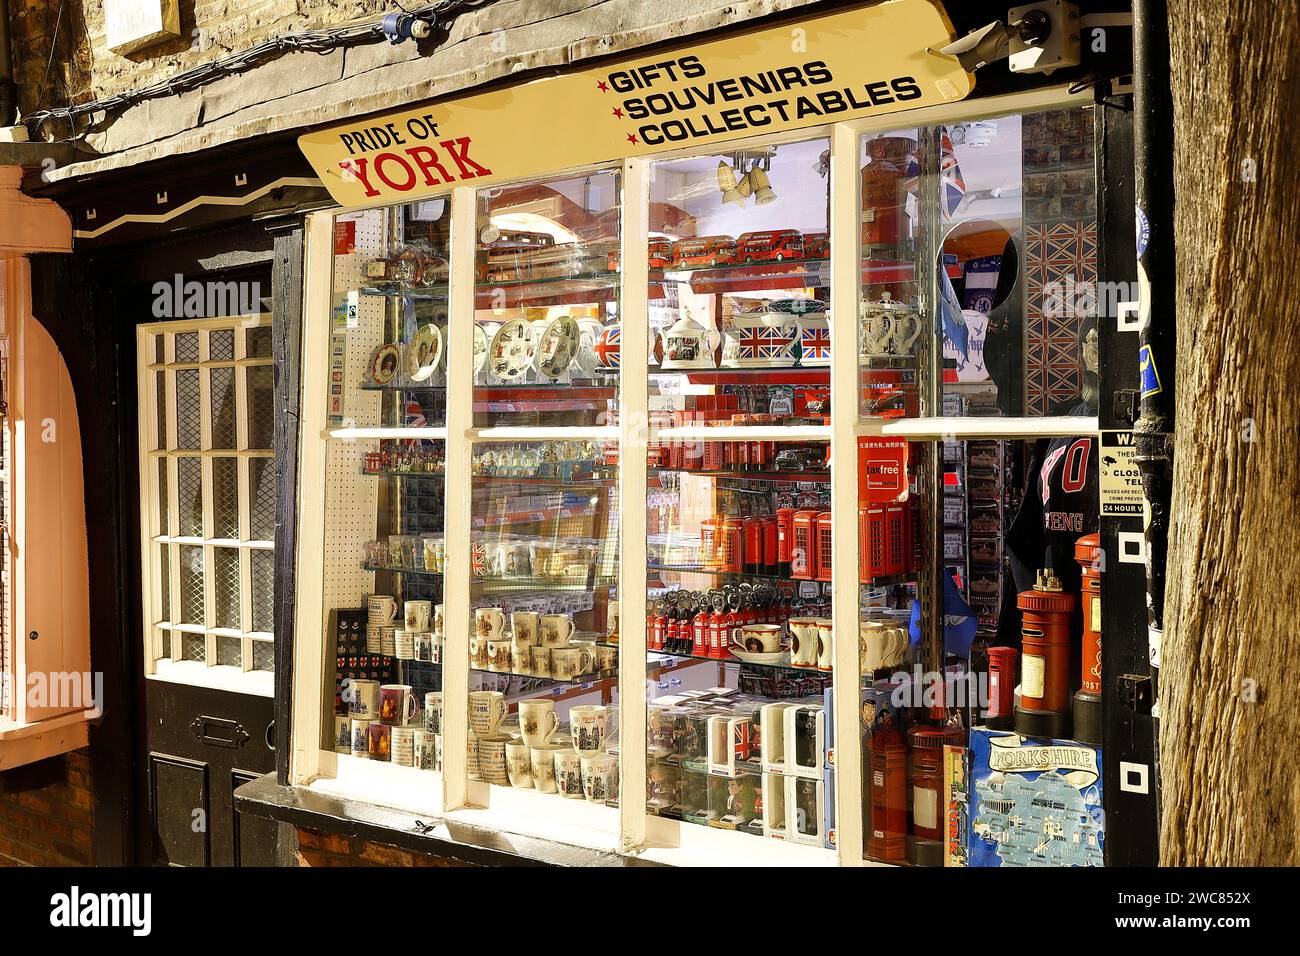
(400, 171)
(459, 150)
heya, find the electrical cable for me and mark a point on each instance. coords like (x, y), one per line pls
(320, 41)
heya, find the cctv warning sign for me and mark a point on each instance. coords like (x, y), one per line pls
(1120, 480)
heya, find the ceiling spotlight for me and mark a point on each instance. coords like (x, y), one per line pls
(763, 193)
(729, 186)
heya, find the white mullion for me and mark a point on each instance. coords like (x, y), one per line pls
(458, 494)
(209, 600)
(846, 292)
(633, 419)
(150, 554)
(307, 760)
(244, 533)
(241, 408)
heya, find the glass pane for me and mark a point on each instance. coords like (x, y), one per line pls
(164, 583)
(739, 637)
(261, 406)
(225, 584)
(388, 356)
(160, 406)
(192, 586)
(194, 647)
(221, 388)
(263, 589)
(740, 286)
(164, 498)
(189, 409)
(189, 489)
(261, 495)
(229, 651)
(263, 656)
(958, 551)
(547, 291)
(543, 650)
(979, 249)
(225, 498)
(186, 348)
(257, 342)
(221, 345)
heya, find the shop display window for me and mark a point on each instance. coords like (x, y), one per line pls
(801, 571)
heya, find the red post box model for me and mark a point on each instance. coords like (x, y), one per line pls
(1044, 709)
(1087, 700)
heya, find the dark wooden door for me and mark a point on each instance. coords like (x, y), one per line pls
(207, 524)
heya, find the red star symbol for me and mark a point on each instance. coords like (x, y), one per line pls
(602, 86)
(631, 137)
(618, 112)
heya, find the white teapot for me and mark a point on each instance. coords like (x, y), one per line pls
(687, 344)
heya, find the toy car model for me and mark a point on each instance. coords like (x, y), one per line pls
(800, 459)
(773, 245)
(704, 251)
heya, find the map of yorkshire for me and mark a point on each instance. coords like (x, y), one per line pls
(1039, 822)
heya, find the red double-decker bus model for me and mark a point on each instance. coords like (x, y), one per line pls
(774, 245)
(660, 252)
(704, 251)
(816, 245)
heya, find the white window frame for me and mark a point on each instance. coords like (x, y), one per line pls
(640, 833)
(162, 633)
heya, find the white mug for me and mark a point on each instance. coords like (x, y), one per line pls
(489, 622)
(538, 721)
(524, 626)
(519, 765)
(362, 697)
(543, 759)
(487, 708)
(825, 646)
(803, 641)
(568, 774)
(381, 608)
(557, 630)
(599, 775)
(418, 614)
(433, 711)
(587, 724)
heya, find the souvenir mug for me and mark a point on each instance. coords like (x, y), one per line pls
(362, 697)
(404, 644)
(599, 774)
(538, 721)
(760, 638)
(825, 645)
(524, 626)
(426, 751)
(519, 766)
(569, 663)
(397, 703)
(418, 614)
(803, 641)
(557, 630)
(499, 656)
(403, 743)
(492, 759)
(568, 774)
(489, 622)
(361, 736)
(543, 763)
(342, 734)
(587, 724)
(880, 645)
(539, 661)
(487, 708)
(380, 740)
(381, 608)
(433, 712)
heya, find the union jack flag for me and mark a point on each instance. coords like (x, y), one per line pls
(608, 347)
(952, 184)
(415, 415)
(478, 559)
(816, 344)
(758, 342)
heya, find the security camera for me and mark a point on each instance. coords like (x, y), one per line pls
(1037, 38)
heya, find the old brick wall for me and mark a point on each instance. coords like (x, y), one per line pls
(83, 68)
(331, 849)
(46, 812)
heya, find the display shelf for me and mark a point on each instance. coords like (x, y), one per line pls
(577, 484)
(781, 375)
(717, 572)
(563, 290)
(416, 295)
(734, 661)
(573, 582)
(812, 476)
(592, 679)
(395, 569)
(390, 473)
(395, 387)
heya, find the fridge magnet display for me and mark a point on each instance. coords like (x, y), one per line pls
(1034, 801)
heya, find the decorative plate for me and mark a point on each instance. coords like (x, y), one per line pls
(557, 346)
(480, 348)
(424, 352)
(512, 350)
(588, 333)
(384, 364)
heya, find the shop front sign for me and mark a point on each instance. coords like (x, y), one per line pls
(844, 65)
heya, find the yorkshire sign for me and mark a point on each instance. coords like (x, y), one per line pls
(805, 73)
